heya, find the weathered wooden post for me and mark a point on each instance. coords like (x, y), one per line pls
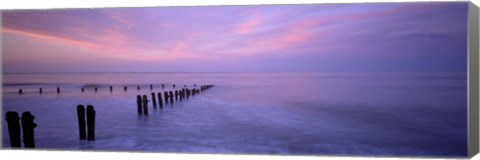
(13, 128)
(176, 95)
(165, 94)
(183, 93)
(81, 121)
(111, 88)
(160, 103)
(28, 128)
(145, 105)
(154, 101)
(58, 89)
(180, 95)
(139, 104)
(20, 91)
(40, 90)
(171, 97)
(90, 123)
(151, 87)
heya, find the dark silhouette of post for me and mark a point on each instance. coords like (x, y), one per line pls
(83, 89)
(81, 122)
(173, 85)
(28, 127)
(20, 91)
(58, 89)
(154, 101)
(145, 105)
(160, 103)
(163, 86)
(96, 89)
(125, 88)
(165, 94)
(90, 123)
(111, 88)
(139, 104)
(176, 95)
(171, 97)
(13, 128)
(138, 87)
(151, 87)
(40, 90)
(183, 93)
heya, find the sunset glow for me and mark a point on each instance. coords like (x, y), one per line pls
(323, 37)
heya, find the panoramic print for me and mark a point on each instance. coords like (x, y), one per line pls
(365, 79)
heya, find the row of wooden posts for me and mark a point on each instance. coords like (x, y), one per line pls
(168, 97)
(40, 90)
(28, 126)
(86, 120)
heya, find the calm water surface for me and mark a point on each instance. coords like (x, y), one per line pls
(401, 114)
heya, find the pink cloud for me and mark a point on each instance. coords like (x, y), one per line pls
(51, 39)
(249, 25)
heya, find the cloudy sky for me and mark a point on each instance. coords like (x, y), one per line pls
(375, 37)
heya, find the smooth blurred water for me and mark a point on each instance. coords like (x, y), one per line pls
(368, 114)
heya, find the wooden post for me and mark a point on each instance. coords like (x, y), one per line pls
(40, 90)
(58, 89)
(151, 87)
(183, 93)
(171, 97)
(20, 91)
(83, 89)
(180, 95)
(139, 104)
(176, 95)
(160, 103)
(28, 128)
(173, 85)
(13, 128)
(145, 105)
(90, 123)
(165, 94)
(125, 88)
(138, 87)
(96, 89)
(81, 121)
(111, 88)
(154, 101)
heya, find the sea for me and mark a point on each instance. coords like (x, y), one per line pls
(280, 113)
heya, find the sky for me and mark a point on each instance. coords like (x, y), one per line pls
(369, 37)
